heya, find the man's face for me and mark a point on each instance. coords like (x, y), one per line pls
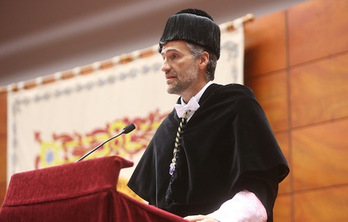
(179, 66)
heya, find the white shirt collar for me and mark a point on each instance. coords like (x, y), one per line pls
(183, 107)
(199, 94)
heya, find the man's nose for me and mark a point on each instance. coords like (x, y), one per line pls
(165, 66)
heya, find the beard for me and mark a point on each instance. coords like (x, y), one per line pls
(183, 79)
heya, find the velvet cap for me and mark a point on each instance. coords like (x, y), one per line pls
(195, 26)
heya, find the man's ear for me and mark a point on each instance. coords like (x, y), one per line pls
(203, 60)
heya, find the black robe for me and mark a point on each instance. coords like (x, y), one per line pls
(227, 146)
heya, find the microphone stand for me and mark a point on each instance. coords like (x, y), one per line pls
(125, 130)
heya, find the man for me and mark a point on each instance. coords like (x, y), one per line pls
(224, 164)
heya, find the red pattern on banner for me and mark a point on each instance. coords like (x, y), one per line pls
(68, 147)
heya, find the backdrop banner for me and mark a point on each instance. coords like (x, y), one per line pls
(57, 123)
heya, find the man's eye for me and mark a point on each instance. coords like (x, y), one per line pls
(171, 56)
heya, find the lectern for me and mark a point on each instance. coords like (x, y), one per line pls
(82, 191)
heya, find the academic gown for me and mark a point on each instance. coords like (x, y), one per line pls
(227, 146)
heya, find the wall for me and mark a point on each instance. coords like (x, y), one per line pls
(3, 144)
(296, 63)
(45, 40)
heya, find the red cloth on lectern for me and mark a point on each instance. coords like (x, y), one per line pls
(83, 191)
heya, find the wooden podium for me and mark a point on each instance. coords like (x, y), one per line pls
(82, 191)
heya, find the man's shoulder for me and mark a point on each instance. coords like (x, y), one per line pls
(233, 89)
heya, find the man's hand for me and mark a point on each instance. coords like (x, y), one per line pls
(200, 218)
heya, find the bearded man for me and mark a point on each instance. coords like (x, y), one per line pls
(214, 157)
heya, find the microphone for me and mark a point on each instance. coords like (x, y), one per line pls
(128, 128)
(125, 130)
